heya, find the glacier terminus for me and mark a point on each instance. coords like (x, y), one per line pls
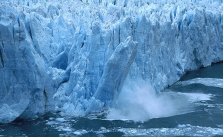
(75, 56)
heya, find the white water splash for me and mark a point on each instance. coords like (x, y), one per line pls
(212, 82)
(138, 101)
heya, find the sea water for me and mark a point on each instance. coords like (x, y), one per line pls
(180, 110)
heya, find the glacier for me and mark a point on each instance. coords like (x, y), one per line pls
(74, 57)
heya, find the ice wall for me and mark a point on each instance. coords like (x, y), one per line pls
(22, 71)
(60, 56)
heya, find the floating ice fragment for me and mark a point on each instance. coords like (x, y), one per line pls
(181, 126)
(67, 129)
(181, 130)
(133, 131)
(60, 119)
(103, 128)
(77, 133)
(51, 118)
(211, 106)
(163, 130)
(51, 123)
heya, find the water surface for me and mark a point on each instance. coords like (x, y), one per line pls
(199, 114)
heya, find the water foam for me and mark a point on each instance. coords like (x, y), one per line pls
(138, 101)
(212, 82)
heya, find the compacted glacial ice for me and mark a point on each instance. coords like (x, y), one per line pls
(74, 56)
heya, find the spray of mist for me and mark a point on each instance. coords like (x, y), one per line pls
(138, 101)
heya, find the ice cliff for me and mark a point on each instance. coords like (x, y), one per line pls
(73, 56)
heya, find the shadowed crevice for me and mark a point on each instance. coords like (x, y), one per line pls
(2, 61)
(46, 99)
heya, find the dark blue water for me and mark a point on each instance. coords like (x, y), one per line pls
(206, 119)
